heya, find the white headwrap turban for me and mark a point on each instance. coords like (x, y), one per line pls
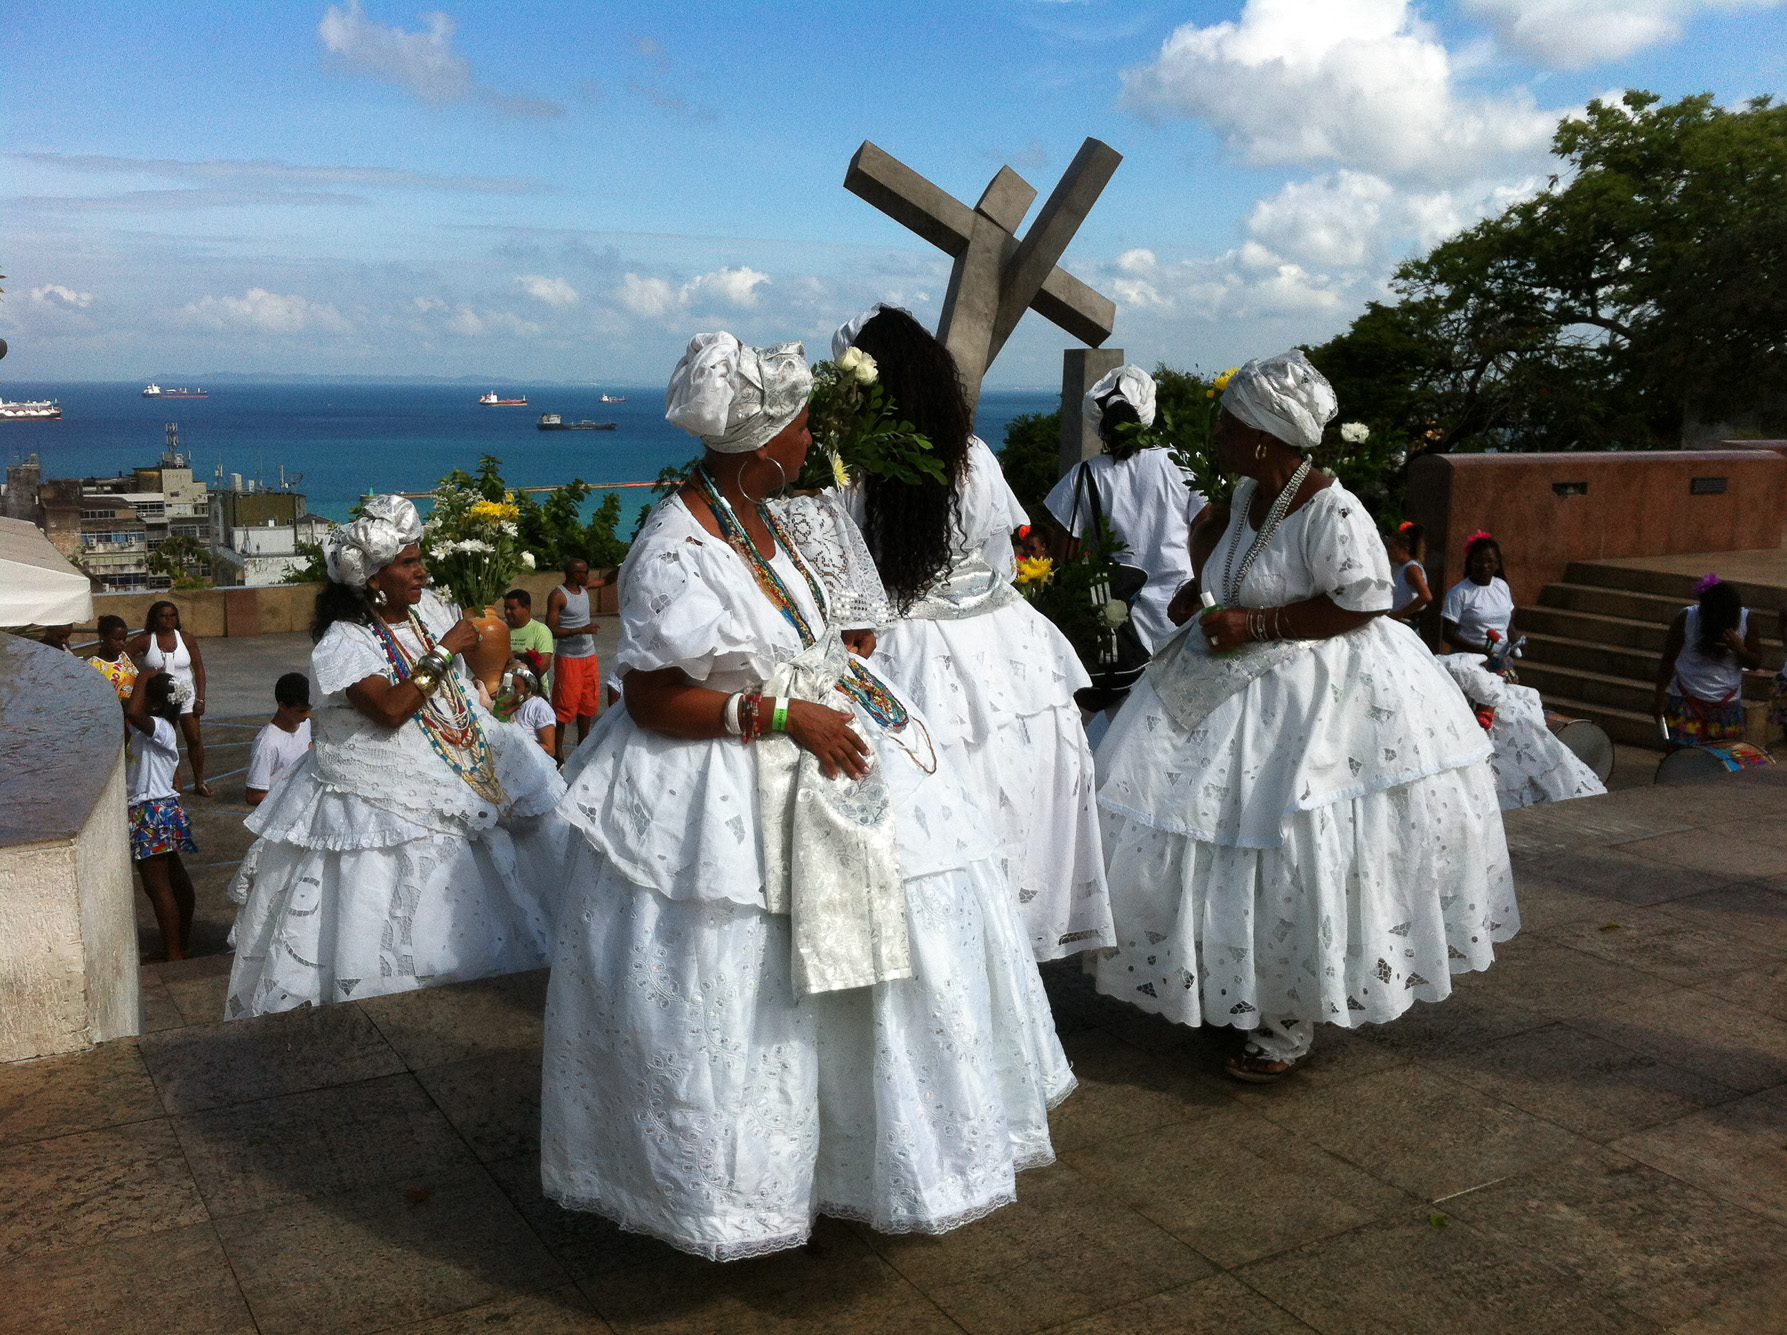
(1284, 395)
(356, 552)
(846, 333)
(1132, 384)
(735, 398)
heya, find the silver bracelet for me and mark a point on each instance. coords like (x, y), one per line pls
(729, 715)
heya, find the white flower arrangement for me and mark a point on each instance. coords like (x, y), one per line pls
(857, 363)
(1116, 612)
(527, 559)
(1355, 433)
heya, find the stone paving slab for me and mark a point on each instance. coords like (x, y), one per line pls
(1590, 1137)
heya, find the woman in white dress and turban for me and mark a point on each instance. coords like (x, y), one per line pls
(1301, 826)
(992, 675)
(415, 843)
(789, 977)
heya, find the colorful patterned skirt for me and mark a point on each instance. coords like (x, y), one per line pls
(159, 826)
(1694, 722)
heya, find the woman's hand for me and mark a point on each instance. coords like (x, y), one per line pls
(1734, 642)
(827, 733)
(198, 707)
(1184, 604)
(859, 642)
(1225, 628)
(461, 637)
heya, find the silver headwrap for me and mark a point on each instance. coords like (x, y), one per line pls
(1132, 384)
(356, 552)
(737, 399)
(846, 333)
(1284, 395)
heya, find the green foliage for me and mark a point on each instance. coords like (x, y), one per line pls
(855, 431)
(1031, 459)
(1642, 292)
(1065, 596)
(185, 560)
(315, 569)
(1185, 413)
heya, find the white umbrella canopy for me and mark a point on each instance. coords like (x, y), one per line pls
(38, 587)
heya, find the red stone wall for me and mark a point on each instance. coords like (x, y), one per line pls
(1636, 503)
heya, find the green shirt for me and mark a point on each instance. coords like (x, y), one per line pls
(536, 635)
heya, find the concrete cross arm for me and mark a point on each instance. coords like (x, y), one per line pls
(910, 200)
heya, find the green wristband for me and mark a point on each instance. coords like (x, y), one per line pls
(779, 721)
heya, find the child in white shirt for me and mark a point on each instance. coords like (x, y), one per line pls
(160, 830)
(282, 743)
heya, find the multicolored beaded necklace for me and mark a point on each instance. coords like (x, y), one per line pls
(858, 683)
(447, 720)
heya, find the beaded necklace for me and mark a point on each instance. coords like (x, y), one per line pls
(1233, 580)
(447, 720)
(858, 683)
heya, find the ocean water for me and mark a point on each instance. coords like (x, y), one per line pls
(342, 441)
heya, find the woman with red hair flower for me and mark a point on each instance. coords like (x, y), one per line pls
(1481, 602)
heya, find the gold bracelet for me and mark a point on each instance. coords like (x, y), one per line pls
(424, 679)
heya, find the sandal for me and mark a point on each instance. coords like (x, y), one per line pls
(202, 790)
(1257, 1069)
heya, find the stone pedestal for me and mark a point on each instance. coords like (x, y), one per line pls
(68, 957)
(1081, 368)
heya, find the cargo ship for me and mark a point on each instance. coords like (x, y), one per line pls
(490, 400)
(614, 398)
(553, 422)
(155, 391)
(33, 410)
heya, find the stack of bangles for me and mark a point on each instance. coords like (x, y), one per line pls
(1265, 623)
(748, 716)
(430, 670)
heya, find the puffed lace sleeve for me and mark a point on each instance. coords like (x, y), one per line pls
(831, 543)
(346, 654)
(672, 615)
(1345, 553)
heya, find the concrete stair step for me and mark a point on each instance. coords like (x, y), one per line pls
(1625, 661)
(1612, 688)
(1592, 626)
(1667, 584)
(1600, 600)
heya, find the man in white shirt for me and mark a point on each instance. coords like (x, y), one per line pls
(283, 742)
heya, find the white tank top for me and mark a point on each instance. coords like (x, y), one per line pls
(177, 665)
(1715, 677)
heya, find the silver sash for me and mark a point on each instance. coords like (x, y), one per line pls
(831, 854)
(971, 587)
(1191, 680)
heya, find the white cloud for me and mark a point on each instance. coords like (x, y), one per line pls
(62, 298)
(1360, 83)
(552, 291)
(1574, 34)
(423, 62)
(650, 297)
(258, 308)
(655, 297)
(282, 173)
(468, 323)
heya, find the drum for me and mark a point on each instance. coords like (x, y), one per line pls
(1700, 762)
(1584, 740)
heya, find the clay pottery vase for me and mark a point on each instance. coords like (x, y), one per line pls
(490, 655)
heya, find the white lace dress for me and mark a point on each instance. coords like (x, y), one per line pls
(689, 1093)
(1317, 842)
(378, 869)
(1531, 765)
(995, 679)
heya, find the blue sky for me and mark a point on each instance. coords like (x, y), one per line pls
(558, 191)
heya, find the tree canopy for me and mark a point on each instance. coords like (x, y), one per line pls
(1641, 295)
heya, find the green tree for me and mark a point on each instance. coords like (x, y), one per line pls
(1031, 459)
(315, 569)
(185, 560)
(1644, 290)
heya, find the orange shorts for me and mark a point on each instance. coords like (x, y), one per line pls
(576, 687)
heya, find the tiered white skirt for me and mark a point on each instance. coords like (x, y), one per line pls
(690, 1096)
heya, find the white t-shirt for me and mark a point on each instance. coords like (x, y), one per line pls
(1479, 608)
(1146, 500)
(275, 751)
(534, 714)
(153, 760)
(1716, 677)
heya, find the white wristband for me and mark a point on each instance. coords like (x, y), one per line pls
(729, 715)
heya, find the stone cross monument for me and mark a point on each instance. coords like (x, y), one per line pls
(998, 276)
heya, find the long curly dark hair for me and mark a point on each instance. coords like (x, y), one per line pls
(339, 602)
(907, 526)
(1116, 411)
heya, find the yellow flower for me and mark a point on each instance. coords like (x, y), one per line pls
(839, 473)
(1222, 381)
(497, 511)
(1035, 570)
(1209, 394)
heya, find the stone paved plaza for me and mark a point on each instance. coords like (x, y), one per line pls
(1591, 1137)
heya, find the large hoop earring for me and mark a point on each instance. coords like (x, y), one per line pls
(1259, 451)
(377, 597)
(759, 500)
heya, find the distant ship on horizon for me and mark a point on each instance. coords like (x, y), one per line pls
(155, 391)
(614, 398)
(554, 422)
(490, 400)
(32, 410)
